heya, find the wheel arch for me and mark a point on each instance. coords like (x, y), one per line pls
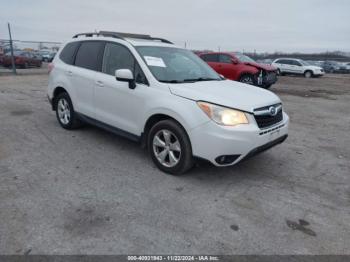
(155, 118)
(58, 90)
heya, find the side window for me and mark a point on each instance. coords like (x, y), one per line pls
(225, 59)
(280, 61)
(89, 55)
(210, 57)
(119, 57)
(68, 52)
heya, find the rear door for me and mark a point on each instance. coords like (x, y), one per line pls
(88, 60)
(280, 64)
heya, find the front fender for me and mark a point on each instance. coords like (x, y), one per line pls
(183, 110)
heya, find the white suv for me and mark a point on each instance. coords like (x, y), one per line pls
(297, 66)
(163, 96)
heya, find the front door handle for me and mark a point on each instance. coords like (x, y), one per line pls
(70, 73)
(99, 83)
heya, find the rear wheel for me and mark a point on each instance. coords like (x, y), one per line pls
(247, 79)
(170, 147)
(65, 112)
(26, 65)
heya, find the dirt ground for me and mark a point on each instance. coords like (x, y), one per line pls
(91, 192)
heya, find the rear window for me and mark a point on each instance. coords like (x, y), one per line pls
(89, 55)
(67, 54)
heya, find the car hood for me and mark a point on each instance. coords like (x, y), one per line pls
(226, 93)
(262, 66)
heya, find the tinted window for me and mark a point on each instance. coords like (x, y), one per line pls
(119, 57)
(210, 57)
(280, 61)
(89, 55)
(68, 52)
(225, 59)
(294, 62)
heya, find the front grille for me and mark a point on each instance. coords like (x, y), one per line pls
(265, 119)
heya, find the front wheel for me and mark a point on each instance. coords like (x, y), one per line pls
(247, 79)
(308, 74)
(170, 147)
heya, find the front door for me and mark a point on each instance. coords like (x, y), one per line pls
(115, 103)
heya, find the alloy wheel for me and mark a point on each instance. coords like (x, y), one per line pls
(63, 111)
(166, 148)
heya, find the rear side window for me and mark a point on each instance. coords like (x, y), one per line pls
(210, 57)
(89, 55)
(68, 52)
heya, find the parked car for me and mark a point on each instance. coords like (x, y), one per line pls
(22, 59)
(239, 67)
(347, 65)
(47, 56)
(334, 67)
(297, 67)
(165, 97)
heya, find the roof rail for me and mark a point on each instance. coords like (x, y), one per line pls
(120, 35)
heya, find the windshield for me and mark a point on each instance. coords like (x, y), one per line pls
(244, 58)
(176, 65)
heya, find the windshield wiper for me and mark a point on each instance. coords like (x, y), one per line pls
(201, 79)
(171, 81)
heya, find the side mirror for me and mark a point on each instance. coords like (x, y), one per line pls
(234, 61)
(125, 75)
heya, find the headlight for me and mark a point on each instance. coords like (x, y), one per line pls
(222, 115)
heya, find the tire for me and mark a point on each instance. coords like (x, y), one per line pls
(267, 86)
(308, 74)
(279, 72)
(65, 114)
(169, 137)
(25, 66)
(247, 79)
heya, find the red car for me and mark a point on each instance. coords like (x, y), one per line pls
(239, 67)
(23, 59)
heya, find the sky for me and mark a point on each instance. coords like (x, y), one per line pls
(232, 25)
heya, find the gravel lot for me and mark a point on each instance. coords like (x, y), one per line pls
(91, 192)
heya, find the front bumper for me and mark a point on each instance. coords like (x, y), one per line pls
(212, 141)
(266, 78)
(319, 73)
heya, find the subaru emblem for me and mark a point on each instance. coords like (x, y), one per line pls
(272, 111)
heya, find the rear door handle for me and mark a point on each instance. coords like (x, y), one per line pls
(99, 83)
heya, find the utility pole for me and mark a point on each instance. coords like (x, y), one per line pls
(11, 47)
